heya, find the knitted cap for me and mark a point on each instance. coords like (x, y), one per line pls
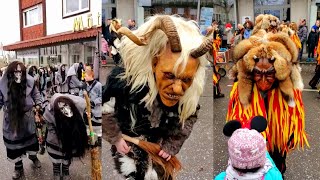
(247, 149)
(228, 25)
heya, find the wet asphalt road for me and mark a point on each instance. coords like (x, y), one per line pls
(196, 153)
(300, 164)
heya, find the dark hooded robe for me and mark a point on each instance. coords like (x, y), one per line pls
(20, 140)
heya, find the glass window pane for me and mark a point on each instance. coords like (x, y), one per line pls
(193, 11)
(84, 4)
(273, 12)
(25, 18)
(180, 10)
(257, 12)
(168, 10)
(72, 5)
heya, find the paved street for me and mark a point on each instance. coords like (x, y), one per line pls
(79, 169)
(196, 153)
(300, 164)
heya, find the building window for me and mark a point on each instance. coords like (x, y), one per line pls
(32, 16)
(193, 12)
(168, 11)
(74, 7)
(180, 11)
(216, 17)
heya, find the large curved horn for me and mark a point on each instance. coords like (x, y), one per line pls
(203, 48)
(166, 24)
(130, 35)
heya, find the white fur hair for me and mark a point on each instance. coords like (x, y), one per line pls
(138, 62)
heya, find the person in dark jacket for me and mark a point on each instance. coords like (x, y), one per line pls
(110, 36)
(312, 43)
(302, 34)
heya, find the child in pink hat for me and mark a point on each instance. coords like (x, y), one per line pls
(248, 156)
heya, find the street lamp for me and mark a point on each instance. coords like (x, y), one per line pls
(198, 11)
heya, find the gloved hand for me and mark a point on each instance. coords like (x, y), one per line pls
(84, 86)
(92, 104)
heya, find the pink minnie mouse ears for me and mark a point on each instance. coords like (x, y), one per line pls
(258, 123)
(246, 146)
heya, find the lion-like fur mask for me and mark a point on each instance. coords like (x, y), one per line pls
(278, 47)
(267, 22)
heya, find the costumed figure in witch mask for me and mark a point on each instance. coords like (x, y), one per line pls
(74, 77)
(248, 156)
(269, 84)
(156, 93)
(32, 71)
(21, 103)
(61, 79)
(67, 137)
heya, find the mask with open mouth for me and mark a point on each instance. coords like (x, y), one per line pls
(65, 109)
(172, 85)
(18, 74)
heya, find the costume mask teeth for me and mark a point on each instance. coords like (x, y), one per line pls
(18, 74)
(65, 109)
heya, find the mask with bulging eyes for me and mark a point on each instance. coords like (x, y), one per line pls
(264, 73)
(65, 109)
(18, 74)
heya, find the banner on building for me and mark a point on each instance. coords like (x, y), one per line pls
(206, 15)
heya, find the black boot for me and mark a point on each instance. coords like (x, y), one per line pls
(56, 171)
(279, 159)
(35, 160)
(65, 172)
(18, 171)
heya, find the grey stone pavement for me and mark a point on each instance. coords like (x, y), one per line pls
(196, 153)
(204, 154)
(300, 164)
(79, 169)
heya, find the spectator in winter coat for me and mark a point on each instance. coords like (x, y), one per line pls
(248, 30)
(238, 35)
(312, 43)
(315, 27)
(302, 33)
(228, 32)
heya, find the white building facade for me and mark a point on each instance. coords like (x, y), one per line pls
(58, 31)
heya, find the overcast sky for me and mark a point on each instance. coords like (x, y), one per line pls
(9, 21)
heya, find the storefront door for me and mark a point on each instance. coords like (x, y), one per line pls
(278, 12)
(278, 8)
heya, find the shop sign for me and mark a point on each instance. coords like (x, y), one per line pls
(78, 24)
(31, 53)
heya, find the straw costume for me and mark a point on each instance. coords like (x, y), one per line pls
(268, 83)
